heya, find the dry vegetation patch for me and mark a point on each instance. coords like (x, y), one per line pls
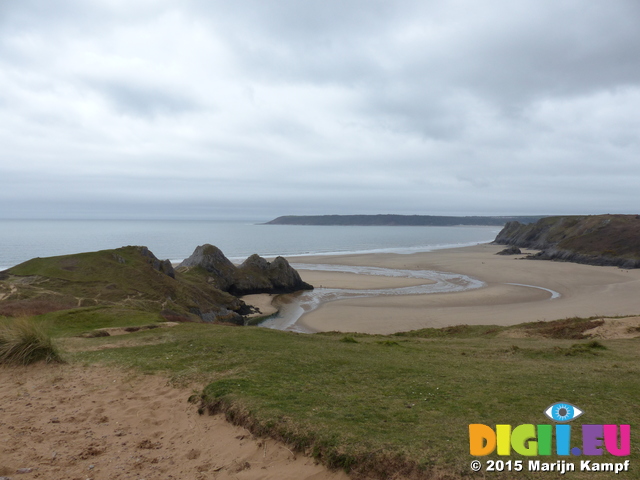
(23, 341)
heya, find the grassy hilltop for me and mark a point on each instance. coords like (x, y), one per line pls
(131, 282)
(127, 284)
(594, 239)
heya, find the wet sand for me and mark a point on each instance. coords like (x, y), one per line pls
(263, 302)
(359, 282)
(585, 291)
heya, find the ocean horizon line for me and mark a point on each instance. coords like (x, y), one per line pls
(398, 251)
(21, 241)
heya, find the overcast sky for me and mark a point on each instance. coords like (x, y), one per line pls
(205, 108)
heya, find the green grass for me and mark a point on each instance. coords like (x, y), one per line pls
(122, 277)
(566, 328)
(24, 341)
(387, 404)
(82, 320)
(607, 235)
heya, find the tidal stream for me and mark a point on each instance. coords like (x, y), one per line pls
(305, 302)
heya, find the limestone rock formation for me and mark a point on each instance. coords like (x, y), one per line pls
(211, 259)
(163, 266)
(255, 275)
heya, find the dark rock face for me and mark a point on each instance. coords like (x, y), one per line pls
(598, 260)
(222, 315)
(167, 268)
(255, 275)
(533, 235)
(163, 266)
(607, 240)
(213, 261)
(512, 250)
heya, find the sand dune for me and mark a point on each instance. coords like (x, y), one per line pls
(72, 422)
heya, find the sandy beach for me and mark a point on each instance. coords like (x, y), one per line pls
(584, 291)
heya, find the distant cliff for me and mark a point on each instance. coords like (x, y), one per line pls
(594, 240)
(397, 220)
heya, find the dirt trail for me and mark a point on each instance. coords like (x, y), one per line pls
(12, 290)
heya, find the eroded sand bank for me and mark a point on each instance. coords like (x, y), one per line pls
(70, 422)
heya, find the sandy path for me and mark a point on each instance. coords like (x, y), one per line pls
(78, 423)
(585, 291)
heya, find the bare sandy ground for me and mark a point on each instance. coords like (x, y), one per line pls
(263, 302)
(611, 329)
(76, 423)
(585, 291)
(615, 328)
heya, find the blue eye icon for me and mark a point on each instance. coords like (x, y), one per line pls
(563, 412)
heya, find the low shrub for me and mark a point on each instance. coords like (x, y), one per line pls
(347, 339)
(37, 306)
(23, 341)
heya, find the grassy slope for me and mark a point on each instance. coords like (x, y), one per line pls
(122, 278)
(615, 235)
(612, 235)
(82, 320)
(384, 404)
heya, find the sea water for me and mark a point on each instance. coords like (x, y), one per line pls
(21, 240)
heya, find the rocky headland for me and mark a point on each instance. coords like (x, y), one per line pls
(608, 240)
(396, 220)
(132, 281)
(254, 275)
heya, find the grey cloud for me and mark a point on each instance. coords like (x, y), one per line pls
(507, 57)
(556, 46)
(296, 107)
(144, 100)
